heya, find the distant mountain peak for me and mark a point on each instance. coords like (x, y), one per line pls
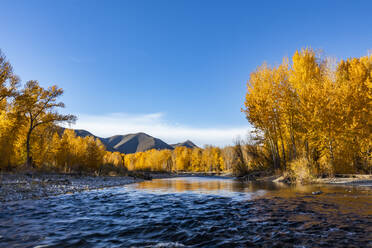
(187, 143)
(136, 142)
(133, 142)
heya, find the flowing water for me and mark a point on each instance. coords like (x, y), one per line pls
(193, 212)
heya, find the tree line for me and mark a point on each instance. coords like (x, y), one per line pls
(31, 137)
(313, 114)
(73, 153)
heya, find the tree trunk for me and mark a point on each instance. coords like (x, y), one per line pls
(294, 150)
(29, 158)
(278, 162)
(331, 152)
(307, 149)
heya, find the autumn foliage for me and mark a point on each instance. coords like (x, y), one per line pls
(315, 110)
(312, 116)
(29, 131)
(209, 159)
(31, 137)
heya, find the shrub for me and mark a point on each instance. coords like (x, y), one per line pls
(301, 171)
(239, 167)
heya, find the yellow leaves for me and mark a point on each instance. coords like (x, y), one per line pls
(308, 102)
(180, 159)
(8, 82)
(114, 158)
(153, 160)
(31, 119)
(77, 153)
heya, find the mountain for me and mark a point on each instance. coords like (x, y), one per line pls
(132, 143)
(187, 143)
(83, 133)
(137, 142)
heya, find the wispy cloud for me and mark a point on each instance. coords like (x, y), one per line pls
(155, 124)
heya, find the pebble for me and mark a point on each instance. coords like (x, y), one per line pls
(317, 192)
(16, 187)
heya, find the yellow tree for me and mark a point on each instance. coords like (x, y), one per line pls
(196, 159)
(64, 148)
(129, 161)
(9, 119)
(42, 145)
(166, 160)
(10, 132)
(306, 81)
(181, 158)
(38, 108)
(309, 109)
(8, 80)
(263, 108)
(114, 158)
(94, 153)
(354, 80)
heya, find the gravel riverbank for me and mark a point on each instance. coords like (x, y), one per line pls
(14, 187)
(342, 179)
(22, 186)
(355, 180)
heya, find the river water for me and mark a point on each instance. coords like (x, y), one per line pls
(193, 212)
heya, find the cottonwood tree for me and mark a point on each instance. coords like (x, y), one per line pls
(38, 108)
(9, 120)
(8, 80)
(308, 109)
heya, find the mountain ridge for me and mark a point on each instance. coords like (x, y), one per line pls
(133, 142)
(187, 143)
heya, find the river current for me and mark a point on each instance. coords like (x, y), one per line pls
(193, 212)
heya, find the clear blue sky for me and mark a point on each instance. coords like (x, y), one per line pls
(179, 67)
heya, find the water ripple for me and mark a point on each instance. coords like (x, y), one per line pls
(138, 216)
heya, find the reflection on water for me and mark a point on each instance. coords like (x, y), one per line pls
(203, 185)
(193, 212)
(348, 197)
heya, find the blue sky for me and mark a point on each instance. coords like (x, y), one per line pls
(174, 69)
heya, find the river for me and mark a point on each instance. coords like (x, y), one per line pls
(193, 212)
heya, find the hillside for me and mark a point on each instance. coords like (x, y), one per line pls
(132, 143)
(137, 142)
(187, 143)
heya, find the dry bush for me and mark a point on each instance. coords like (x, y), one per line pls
(255, 158)
(240, 168)
(301, 171)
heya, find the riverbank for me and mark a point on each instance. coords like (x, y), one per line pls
(22, 186)
(36, 185)
(14, 187)
(348, 179)
(341, 179)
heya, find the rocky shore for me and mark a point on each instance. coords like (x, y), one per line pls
(14, 187)
(347, 179)
(22, 186)
(341, 179)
